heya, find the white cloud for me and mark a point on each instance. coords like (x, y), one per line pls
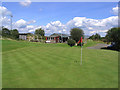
(104, 31)
(32, 21)
(21, 23)
(4, 11)
(25, 3)
(115, 10)
(92, 32)
(90, 26)
(54, 27)
(24, 26)
(30, 27)
(5, 20)
(111, 21)
(5, 17)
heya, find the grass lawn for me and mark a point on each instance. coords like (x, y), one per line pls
(37, 65)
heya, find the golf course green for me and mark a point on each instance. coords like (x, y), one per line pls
(39, 65)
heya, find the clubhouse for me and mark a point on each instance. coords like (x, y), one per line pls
(57, 38)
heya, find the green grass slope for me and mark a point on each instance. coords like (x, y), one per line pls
(37, 65)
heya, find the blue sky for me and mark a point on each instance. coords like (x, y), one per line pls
(46, 12)
(60, 17)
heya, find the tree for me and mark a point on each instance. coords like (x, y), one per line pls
(0, 32)
(95, 37)
(40, 31)
(14, 34)
(5, 32)
(71, 42)
(92, 37)
(76, 34)
(113, 35)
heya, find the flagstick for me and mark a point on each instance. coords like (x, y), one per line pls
(81, 54)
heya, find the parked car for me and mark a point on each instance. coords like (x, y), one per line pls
(112, 45)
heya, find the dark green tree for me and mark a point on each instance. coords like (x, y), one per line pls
(92, 37)
(40, 32)
(5, 32)
(76, 34)
(113, 35)
(95, 37)
(14, 34)
(0, 32)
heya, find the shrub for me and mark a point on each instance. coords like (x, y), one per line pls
(71, 42)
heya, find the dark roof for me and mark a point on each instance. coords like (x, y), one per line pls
(59, 34)
(24, 33)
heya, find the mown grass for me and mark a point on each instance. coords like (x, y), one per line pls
(90, 43)
(37, 65)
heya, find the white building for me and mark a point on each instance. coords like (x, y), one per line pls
(23, 36)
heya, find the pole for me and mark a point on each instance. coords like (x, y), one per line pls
(1, 51)
(81, 55)
(61, 37)
(11, 21)
(1, 24)
(81, 51)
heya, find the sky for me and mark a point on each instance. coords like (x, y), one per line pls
(60, 17)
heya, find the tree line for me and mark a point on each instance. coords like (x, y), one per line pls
(14, 34)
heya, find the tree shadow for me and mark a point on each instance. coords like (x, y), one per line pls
(110, 48)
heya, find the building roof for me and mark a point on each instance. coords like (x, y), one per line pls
(24, 33)
(59, 34)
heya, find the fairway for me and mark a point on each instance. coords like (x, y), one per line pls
(38, 65)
